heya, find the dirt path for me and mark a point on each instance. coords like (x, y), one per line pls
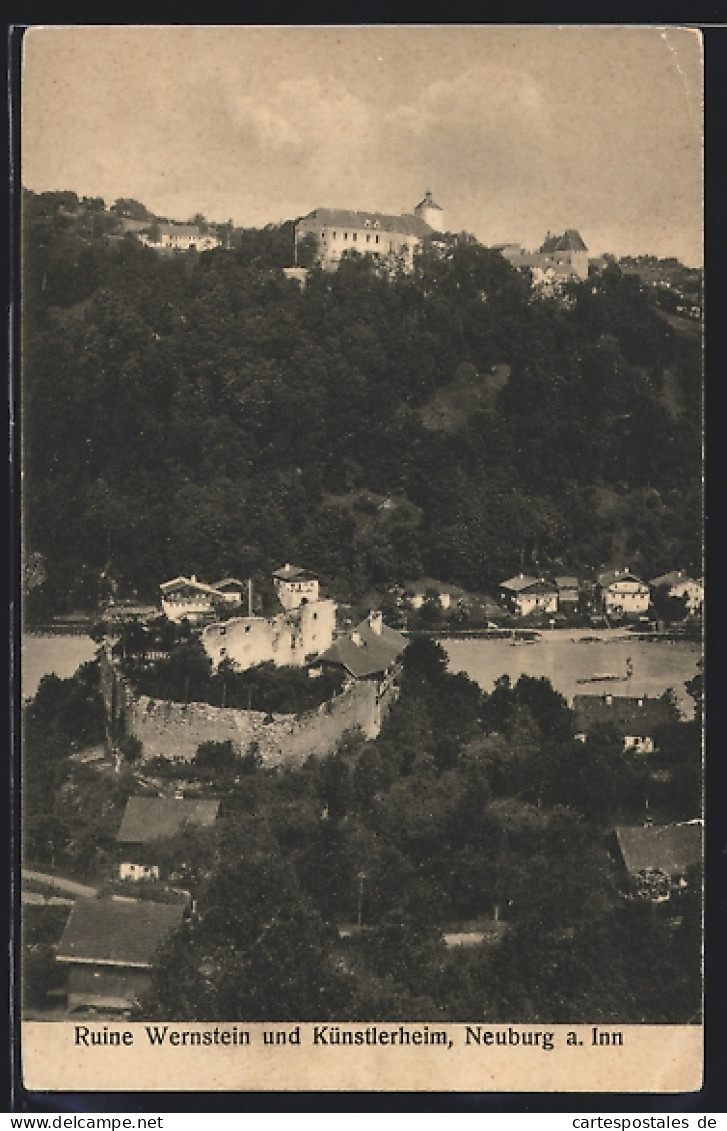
(70, 886)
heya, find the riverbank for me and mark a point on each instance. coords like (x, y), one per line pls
(569, 658)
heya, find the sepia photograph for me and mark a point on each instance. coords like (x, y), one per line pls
(362, 590)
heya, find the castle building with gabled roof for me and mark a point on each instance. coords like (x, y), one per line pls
(386, 238)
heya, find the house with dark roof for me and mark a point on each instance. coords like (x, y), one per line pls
(294, 586)
(369, 651)
(621, 594)
(109, 947)
(559, 257)
(635, 718)
(148, 820)
(657, 858)
(384, 237)
(524, 595)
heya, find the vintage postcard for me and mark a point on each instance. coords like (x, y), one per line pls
(362, 582)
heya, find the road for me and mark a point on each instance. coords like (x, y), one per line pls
(70, 886)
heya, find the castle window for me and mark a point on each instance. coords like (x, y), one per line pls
(345, 235)
(368, 238)
(377, 239)
(334, 235)
(354, 237)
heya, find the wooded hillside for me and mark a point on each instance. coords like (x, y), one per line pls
(201, 413)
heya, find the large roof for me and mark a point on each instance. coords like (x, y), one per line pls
(186, 583)
(228, 583)
(147, 819)
(627, 714)
(611, 576)
(676, 577)
(407, 224)
(364, 652)
(290, 572)
(571, 240)
(523, 581)
(116, 933)
(664, 848)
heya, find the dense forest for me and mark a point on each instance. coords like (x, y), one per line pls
(202, 413)
(325, 891)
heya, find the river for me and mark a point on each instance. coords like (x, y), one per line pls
(563, 655)
(566, 656)
(42, 654)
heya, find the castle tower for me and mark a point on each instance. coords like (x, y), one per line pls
(430, 212)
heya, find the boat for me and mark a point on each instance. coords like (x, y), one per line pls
(609, 677)
(602, 677)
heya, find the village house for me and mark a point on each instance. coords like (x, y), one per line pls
(447, 596)
(524, 595)
(657, 858)
(147, 820)
(178, 237)
(621, 594)
(679, 584)
(186, 598)
(635, 718)
(568, 593)
(109, 947)
(337, 230)
(369, 651)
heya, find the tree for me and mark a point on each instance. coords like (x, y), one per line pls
(216, 756)
(259, 952)
(133, 209)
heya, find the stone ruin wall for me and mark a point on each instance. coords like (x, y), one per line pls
(175, 730)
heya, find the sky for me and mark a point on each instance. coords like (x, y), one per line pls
(516, 131)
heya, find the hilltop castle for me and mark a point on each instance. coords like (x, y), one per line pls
(337, 230)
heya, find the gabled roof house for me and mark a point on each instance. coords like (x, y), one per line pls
(147, 820)
(109, 947)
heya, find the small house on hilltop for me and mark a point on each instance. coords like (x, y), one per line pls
(634, 718)
(110, 946)
(657, 858)
(147, 820)
(177, 237)
(559, 258)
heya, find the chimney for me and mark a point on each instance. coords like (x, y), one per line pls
(639, 702)
(193, 579)
(608, 699)
(355, 638)
(375, 622)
